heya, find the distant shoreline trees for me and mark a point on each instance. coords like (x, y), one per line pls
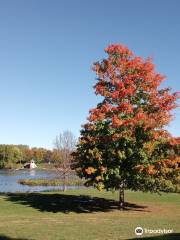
(59, 158)
(10, 155)
(13, 155)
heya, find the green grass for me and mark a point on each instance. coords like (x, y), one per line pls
(86, 214)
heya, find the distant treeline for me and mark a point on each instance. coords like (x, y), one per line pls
(13, 155)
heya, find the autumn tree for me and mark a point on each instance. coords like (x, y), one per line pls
(64, 146)
(27, 154)
(124, 143)
(38, 154)
(47, 156)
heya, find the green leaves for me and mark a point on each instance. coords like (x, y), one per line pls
(124, 138)
(121, 155)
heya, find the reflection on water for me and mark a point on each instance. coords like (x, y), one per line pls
(9, 178)
(32, 172)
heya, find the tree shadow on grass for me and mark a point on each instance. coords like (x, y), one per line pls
(69, 203)
(171, 236)
(3, 237)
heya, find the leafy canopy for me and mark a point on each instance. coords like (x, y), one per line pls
(124, 138)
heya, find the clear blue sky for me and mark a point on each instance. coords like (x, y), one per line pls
(46, 51)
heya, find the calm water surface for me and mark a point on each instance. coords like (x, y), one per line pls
(9, 180)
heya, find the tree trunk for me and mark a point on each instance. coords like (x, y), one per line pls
(64, 182)
(121, 195)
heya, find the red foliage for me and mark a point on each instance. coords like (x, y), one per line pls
(130, 84)
(116, 122)
(126, 129)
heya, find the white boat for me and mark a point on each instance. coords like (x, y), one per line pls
(30, 165)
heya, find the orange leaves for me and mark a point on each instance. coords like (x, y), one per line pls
(161, 118)
(163, 102)
(92, 118)
(131, 94)
(105, 108)
(174, 141)
(167, 165)
(99, 113)
(96, 114)
(103, 169)
(119, 85)
(118, 49)
(164, 166)
(115, 95)
(167, 101)
(123, 77)
(116, 122)
(96, 67)
(148, 66)
(150, 170)
(90, 170)
(100, 88)
(122, 93)
(177, 139)
(115, 136)
(98, 178)
(149, 147)
(140, 115)
(125, 107)
(158, 78)
(139, 168)
(89, 126)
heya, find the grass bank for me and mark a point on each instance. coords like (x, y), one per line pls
(50, 182)
(86, 214)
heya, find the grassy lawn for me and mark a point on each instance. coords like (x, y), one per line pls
(86, 214)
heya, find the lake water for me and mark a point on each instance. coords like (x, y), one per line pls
(9, 180)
